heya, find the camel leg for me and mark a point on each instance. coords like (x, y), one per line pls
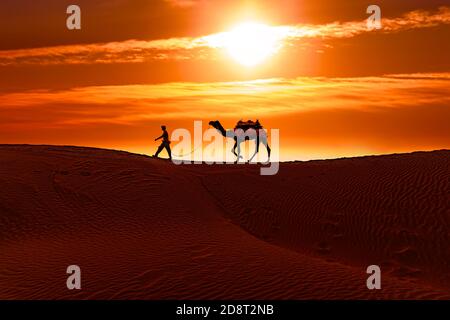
(268, 151)
(238, 153)
(264, 142)
(256, 149)
(234, 149)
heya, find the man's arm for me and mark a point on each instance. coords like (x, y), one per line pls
(159, 138)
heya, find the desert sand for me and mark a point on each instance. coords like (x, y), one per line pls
(143, 228)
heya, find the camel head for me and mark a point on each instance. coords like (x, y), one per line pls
(214, 123)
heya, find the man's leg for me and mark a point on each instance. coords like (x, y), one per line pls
(160, 148)
(168, 150)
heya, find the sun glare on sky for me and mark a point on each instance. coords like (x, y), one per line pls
(250, 43)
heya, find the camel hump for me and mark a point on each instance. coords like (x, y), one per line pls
(249, 124)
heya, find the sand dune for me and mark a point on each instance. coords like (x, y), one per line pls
(142, 228)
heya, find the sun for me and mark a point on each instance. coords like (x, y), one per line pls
(251, 43)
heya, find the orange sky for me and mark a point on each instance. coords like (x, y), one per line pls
(332, 87)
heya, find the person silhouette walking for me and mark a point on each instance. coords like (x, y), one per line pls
(165, 143)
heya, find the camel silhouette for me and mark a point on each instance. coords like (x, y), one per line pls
(243, 133)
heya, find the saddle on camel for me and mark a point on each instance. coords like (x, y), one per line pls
(249, 124)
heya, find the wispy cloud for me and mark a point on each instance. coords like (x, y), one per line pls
(411, 20)
(183, 3)
(266, 98)
(135, 51)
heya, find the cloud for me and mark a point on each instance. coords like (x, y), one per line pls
(112, 52)
(206, 47)
(183, 3)
(265, 98)
(411, 20)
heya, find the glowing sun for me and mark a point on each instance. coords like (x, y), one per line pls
(251, 43)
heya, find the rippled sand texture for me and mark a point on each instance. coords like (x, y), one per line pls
(143, 228)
